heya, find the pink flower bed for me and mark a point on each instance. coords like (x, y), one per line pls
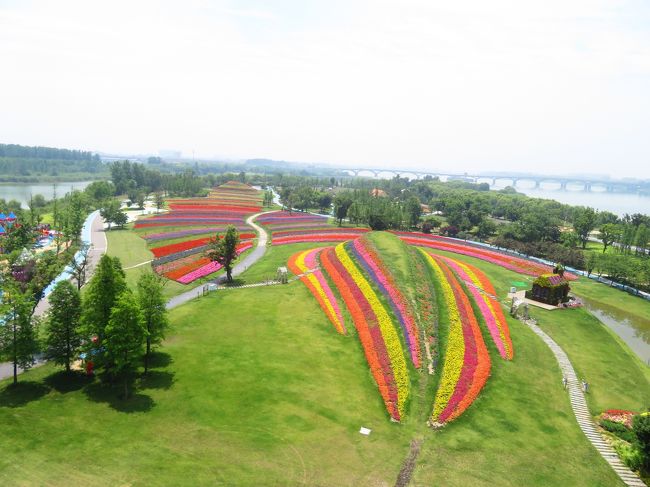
(209, 268)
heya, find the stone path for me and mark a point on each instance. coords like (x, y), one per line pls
(579, 406)
(240, 267)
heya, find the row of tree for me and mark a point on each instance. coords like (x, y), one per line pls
(114, 326)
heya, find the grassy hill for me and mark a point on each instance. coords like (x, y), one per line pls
(255, 387)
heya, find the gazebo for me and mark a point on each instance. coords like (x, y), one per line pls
(551, 289)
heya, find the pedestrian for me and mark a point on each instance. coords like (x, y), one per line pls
(565, 381)
(585, 386)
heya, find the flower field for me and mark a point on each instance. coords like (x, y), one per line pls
(376, 330)
(483, 293)
(178, 239)
(506, 261)
(365, 253)
(364, 273)
(306, 263)
(295, 227)
(467, 363)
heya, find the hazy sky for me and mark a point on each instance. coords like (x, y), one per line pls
(551, 86)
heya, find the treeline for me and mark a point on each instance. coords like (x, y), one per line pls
(38, 152)
(27, 164)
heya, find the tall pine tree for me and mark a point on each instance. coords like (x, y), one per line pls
(63, 334)
(154, 312)
(18, 342)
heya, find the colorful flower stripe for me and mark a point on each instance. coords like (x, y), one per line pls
(330, 237)
(187, 233)
(490, 308)
(318, 231)
(184, 223)
(515, 264)
(467, 363)
(227, 208)
(190, 244)
(301, 262)
(209, 268)
(367, 256)
(378, 313)
(374, 347)
(299, 226)
(179, 272)
(175, 264)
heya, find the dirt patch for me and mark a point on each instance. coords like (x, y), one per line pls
(404, 476)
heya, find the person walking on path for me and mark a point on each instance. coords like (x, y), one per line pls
(565, 382)
(585, 386)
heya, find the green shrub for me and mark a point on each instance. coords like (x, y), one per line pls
(641, 426)
(620, 430)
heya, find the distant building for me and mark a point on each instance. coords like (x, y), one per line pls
(378, 192)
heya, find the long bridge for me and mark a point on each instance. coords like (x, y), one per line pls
(561, 183)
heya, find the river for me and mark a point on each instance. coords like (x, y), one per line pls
(632, 329)
(23, 191)
(617, 203)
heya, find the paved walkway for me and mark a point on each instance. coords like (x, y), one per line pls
(579, 406)
(240, 267)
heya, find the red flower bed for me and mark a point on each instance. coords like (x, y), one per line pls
(186, 269)
(189, 244)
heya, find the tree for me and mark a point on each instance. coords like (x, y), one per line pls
(609, 234)
(224, 250)
(413, 210)
(79, 265)
(591, 262)
(159, 201)
(109, 210)
(121, 219)
(570, 239)
(99, 191)
(584, 221)
(140, 199)
(324, 201)
(342, 203)
(125, 336)
(103, 290)
(63, 334)
(18, 342)
(641, 238)
(486, 229)
(154, 313)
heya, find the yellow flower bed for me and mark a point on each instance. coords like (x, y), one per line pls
(388, 331)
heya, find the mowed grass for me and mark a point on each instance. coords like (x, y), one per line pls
(254, 387)
(264, 394)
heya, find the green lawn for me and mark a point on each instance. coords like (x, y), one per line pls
(255, 387)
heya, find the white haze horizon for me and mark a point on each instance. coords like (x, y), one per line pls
(557, 87)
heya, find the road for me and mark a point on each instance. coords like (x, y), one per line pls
(256, 254)
(99, 244)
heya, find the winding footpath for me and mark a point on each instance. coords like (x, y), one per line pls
(256, 254)
(579, 406)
